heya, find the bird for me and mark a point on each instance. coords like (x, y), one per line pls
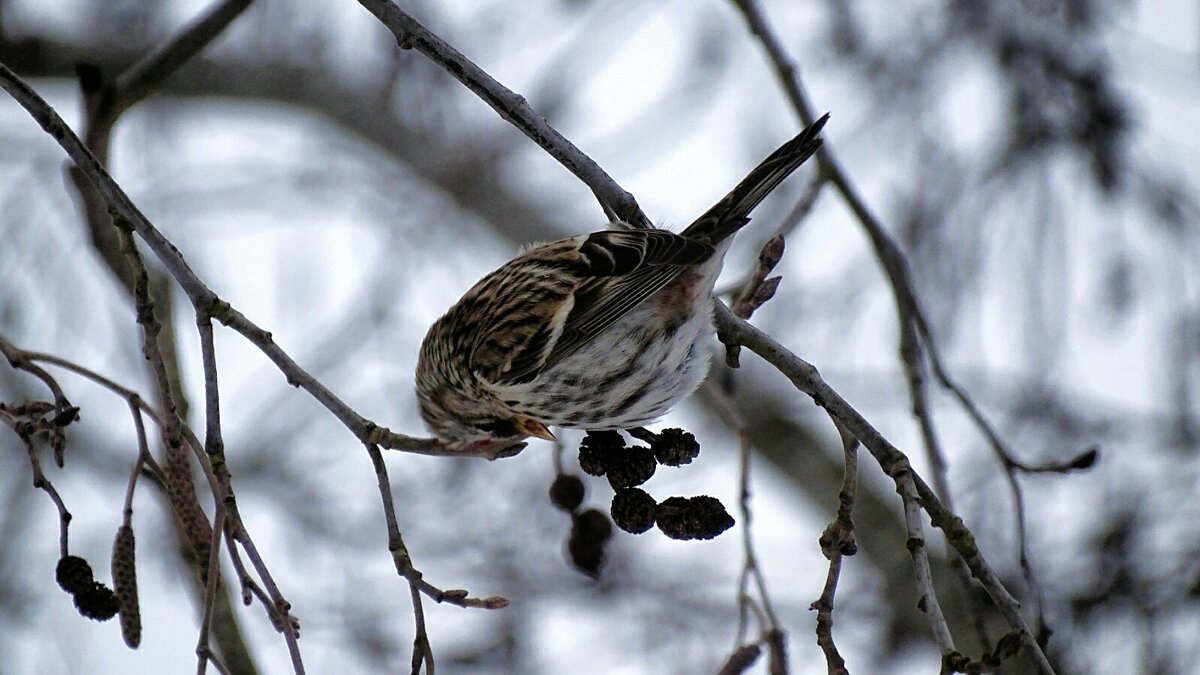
(606, 330)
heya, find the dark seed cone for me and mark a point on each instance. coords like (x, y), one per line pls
(74, 574)
(629, 466)
(675, 447)
(605, 440)
(592, 525)
(591, 460)
(595, 448)
(633, 510)
(586, 557)
(124, 574)
(566, 492)
(700, 517)
(589, 532)
(96, 602)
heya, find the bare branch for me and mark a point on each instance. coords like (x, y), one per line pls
(40, 481)
(761, 606)
(618, 205)
(837, 541)
(401, 557)
(893, 462)
(916, 338)
(926, 596)
(202, 298)
(422, 652)
(144, 76)
(213, 577)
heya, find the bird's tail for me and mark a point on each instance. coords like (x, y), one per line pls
(733, 211)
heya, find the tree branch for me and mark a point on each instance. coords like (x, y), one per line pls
(202, 298)
(618, 205)
(893, 462)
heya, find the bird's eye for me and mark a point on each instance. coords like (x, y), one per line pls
(498, 427)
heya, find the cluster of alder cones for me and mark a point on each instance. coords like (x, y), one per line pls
(605, 454)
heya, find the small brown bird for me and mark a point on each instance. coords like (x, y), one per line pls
(599, 331)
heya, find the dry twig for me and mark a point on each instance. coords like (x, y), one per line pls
(893, 462)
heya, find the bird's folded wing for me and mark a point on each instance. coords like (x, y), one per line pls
(616, 271)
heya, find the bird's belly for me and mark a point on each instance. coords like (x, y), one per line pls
(631, 375)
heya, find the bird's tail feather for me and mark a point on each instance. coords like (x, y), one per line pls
(732, 212)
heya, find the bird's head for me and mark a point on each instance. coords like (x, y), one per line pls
(477, 428)
(468, 418)
(457, 404)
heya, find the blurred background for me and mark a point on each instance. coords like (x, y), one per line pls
(1035, 159)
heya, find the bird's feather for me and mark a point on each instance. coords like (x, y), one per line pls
(614, 272)
(606, 274)
(732, 213)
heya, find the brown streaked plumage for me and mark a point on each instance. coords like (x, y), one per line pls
(598, 331)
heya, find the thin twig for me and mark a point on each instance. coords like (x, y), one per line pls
(913, 358)
(618, 204)
(132, 397)
(212, 581)
(767, 617)
(400, 555)
(205, 300)
(20, 359)
(422, 652)
(837, 541)
(834, 663)
(214, 443)
(41, 482)
(1010, 464)
(926, 595)
(909, 312)
(250, 588)
(214, 449)
(144, 306)
(29, 420)
(893, 462)
(137, 407)
(279, 608)
(139, 427)
(270, 599)
(145, 75)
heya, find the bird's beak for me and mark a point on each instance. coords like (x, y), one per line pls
(532, 427)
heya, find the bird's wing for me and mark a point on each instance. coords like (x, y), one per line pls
(573, 290)
(611, 272)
